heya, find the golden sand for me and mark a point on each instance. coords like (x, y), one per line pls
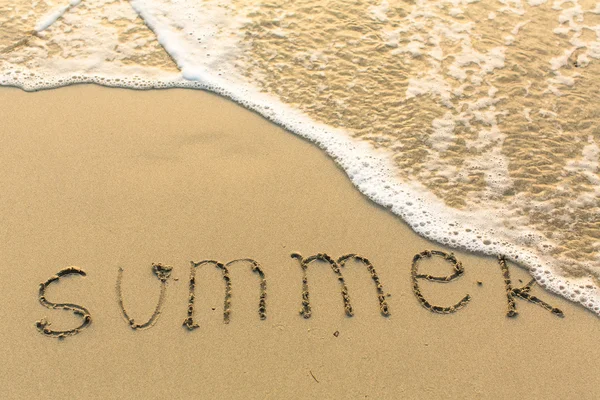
(103, 179)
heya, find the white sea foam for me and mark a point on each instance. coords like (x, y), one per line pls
(205, 40)
(51, 17)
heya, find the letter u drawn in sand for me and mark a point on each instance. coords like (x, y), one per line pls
(163, 273)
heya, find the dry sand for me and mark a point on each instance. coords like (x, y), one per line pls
(105, 178)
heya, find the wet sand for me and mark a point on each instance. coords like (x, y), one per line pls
(103, 179)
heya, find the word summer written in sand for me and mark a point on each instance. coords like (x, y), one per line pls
(163, 274)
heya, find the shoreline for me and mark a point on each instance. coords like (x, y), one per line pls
(105, 179)
(230, 98)
(396, 198)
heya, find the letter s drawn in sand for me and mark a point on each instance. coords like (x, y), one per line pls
(43, 324)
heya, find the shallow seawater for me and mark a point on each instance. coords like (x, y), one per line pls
(474, 121)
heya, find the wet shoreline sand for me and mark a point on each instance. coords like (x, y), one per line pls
(104, 179)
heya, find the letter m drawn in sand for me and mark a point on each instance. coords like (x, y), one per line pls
(336, 266)
(262, 308)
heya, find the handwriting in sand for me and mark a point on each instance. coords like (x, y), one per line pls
(163, 274)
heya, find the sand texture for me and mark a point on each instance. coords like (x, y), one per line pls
(129, 184)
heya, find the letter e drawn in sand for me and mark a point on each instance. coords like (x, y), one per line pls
(522, 292)
(458, 271)
(262, 304)
(82, 312)
(163, 273)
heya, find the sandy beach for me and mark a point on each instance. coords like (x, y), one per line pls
(103, 179)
